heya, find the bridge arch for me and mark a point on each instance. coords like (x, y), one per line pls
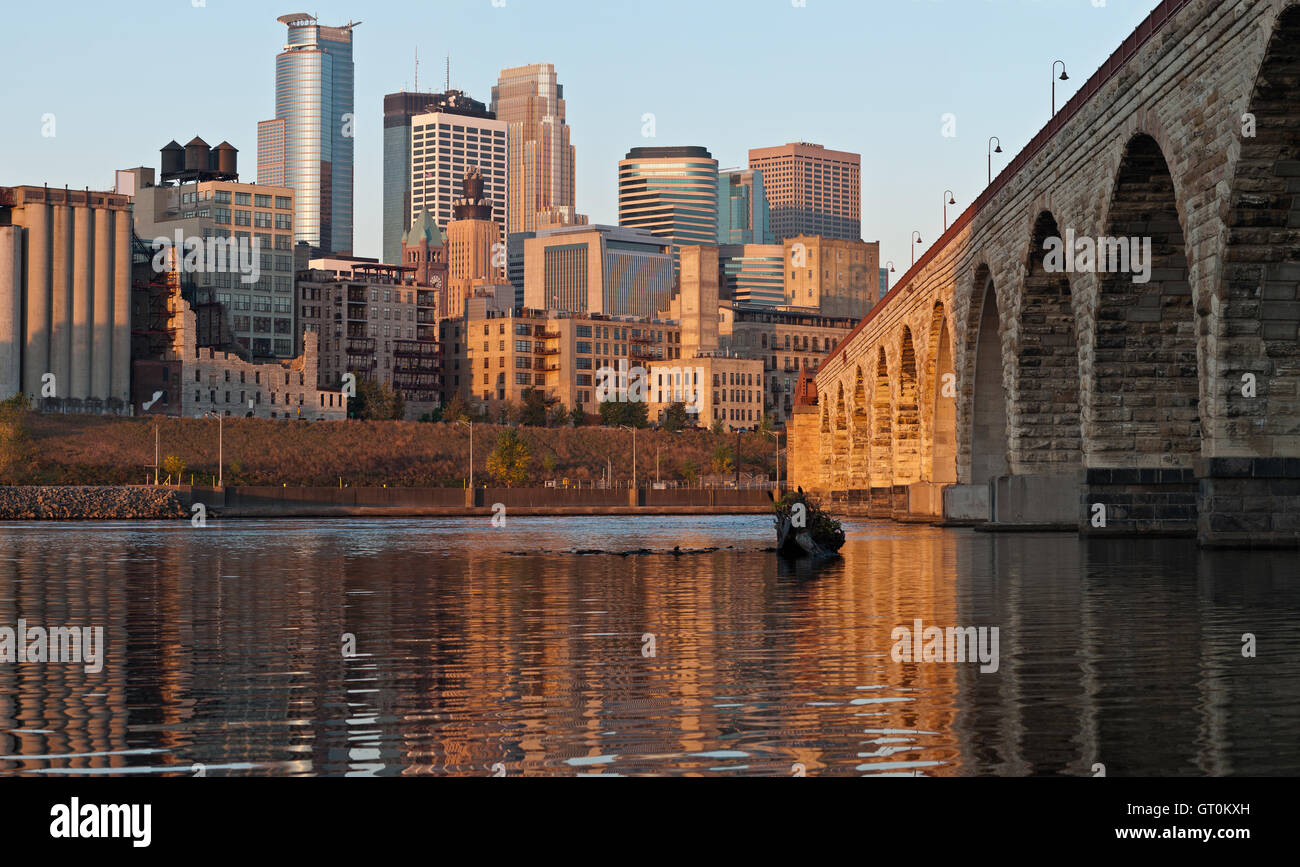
(988, 397)
(1046, 416)
(1259, 329)
(860, 469)
(941, 399)
(907, 430)
(882, 444)
(1144, 403)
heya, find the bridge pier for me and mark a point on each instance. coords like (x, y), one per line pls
(1138, 501)
(1248, 502)
(1034, 503)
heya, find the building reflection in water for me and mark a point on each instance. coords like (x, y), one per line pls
(226, 650)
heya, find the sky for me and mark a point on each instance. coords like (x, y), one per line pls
(875, 77)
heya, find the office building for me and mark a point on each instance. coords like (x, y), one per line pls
(308, 147)
(837, 278)
(240, 281)
(753, 274)
(811, 190)
(444, 148)
(597, 269)
(670, 192)
(400, 110)
(530, 101)
(377, 323)
(743, 216)
(65, 298)
(494, 356)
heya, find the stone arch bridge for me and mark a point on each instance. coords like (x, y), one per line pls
(990, 385)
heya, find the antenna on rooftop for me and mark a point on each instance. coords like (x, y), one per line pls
(448, 72)
(417, 69)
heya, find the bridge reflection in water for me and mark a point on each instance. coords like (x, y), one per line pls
(225, 650)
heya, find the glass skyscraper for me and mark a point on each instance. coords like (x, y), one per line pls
(671, 192)
(743, 216)
(308, 147)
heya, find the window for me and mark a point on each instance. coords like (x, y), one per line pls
(283, 203)
(243, 199)
(262, 201)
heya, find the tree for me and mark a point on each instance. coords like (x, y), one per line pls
(509, 461)
(618, 414)
(533, 413)
(718, 427)
(15, 446)
(689, 472)
(375, 401)
(578, 417)
(723, 459)
(675, 418)
(174, 465)
(548, 464)
(456, 410)
(558, 417)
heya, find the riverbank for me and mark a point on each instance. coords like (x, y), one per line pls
(90, 504)
(104, 450)
(174, 503)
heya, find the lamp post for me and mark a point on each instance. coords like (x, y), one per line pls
(916, 239)
(1064, 77)
(629, 427)
(221, 420)
(993, 151)
(890, 266)
(950, 199)
(470, 424)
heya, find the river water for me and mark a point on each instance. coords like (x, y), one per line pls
(394, 647)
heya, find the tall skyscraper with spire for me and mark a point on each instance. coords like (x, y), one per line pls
(308, 146)
(531, 102)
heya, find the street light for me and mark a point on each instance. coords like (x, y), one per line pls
(991, 153)
(470, 424)
(1064, 77)
(916, 239)
(221, 423)
(628, 427)
(950, 200)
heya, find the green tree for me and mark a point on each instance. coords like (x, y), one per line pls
(548, 464)
(718, 427)
(723, 459)
(675, 418)
(689, 472)
(533, 413)
(375, 401)
(632, 414)
(15, 445)
(578, 417)
(509, 461)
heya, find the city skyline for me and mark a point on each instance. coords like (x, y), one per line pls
(610, 90)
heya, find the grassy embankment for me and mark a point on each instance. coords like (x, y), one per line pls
(92, 450)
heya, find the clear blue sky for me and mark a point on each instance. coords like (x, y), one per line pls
(871, 76)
